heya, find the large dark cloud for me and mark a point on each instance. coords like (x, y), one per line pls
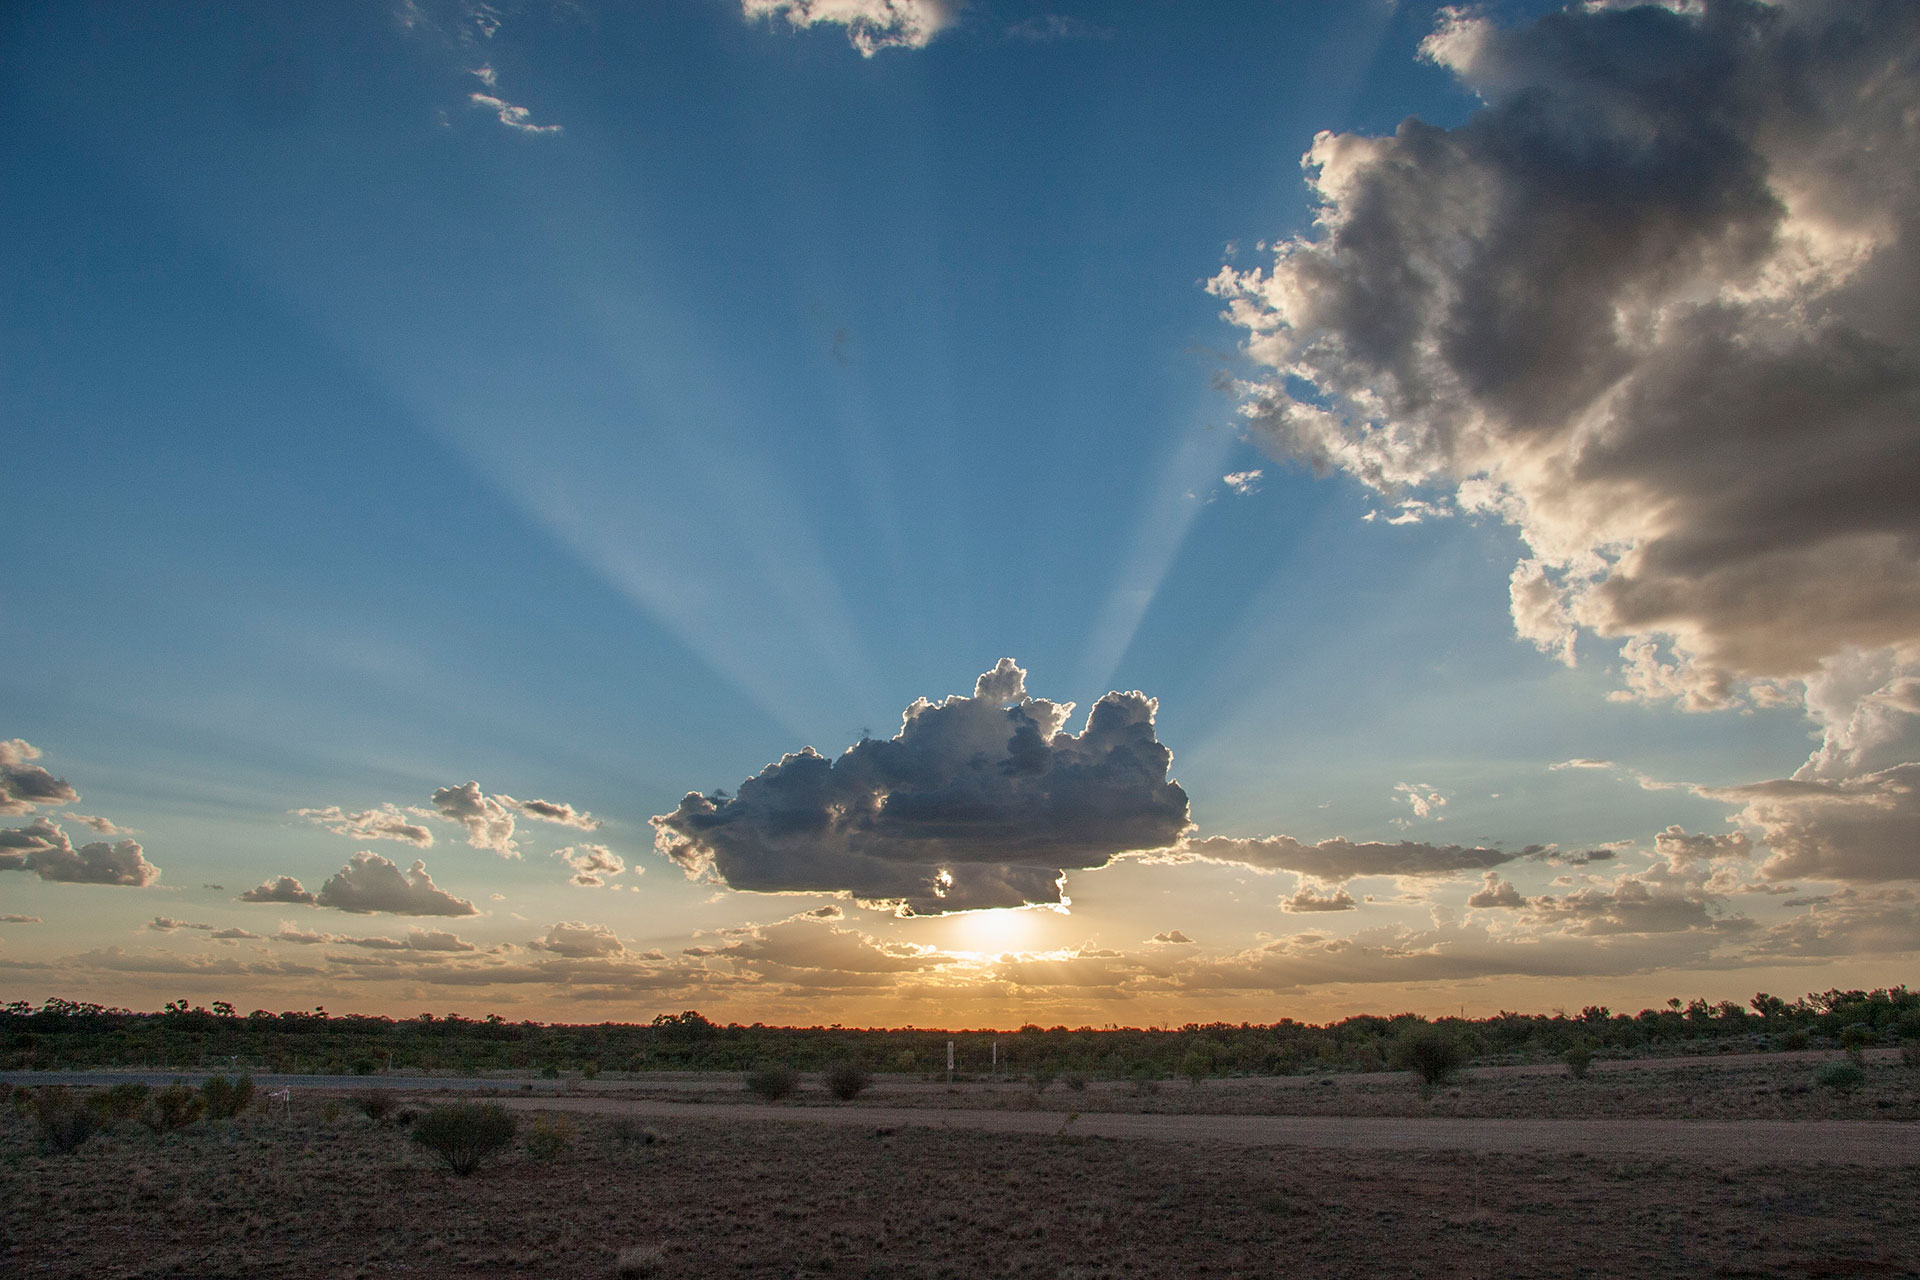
(25, 785)
(982, 801)
(44, 849)
(1656, 304)
(1862, 829)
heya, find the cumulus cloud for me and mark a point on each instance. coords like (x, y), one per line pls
(1882, 921)
(1425, 801)
(488, 819)
(578, 940)
(383, 823)
(591, 863)
(1173, 938)
(433, 940)
(1339, 859)
(1653, 304)
(44, 849)
(1496, 892)
(1680, 848)
(1324, 898)
(1860, 829)
(370, 883)
(981, 801)
(24, 785)
(1631, 904)
(280, 889)
(871, 25)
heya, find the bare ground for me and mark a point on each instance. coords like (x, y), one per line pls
(884, 1191)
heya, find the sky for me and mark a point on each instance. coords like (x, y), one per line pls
(894, 512)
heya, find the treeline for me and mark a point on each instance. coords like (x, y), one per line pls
(71, 1035)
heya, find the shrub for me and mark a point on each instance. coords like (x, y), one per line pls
(1841, 1077)
(63, 1124)
(1041, 1080)
(1196, 1066)
(1795, 1040)
(590, 1071)
(774, 1083)
(124, 1101)
(463, 1134)
(224, 1099)
(626, 1129)
(1431, 1052)
(1910, 1055)
(550, 1136)
(1855, 1039)
(1076, 1082)
(174, 1107)
(847, 1080)
(378, 1105)
(1578, 1058)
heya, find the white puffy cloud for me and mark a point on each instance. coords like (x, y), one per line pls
(488, 819)
(280, 889)
(591, 863)
(43, 848)
(564, 815)
(1243, 482)
(1425, 801)
(1495, 891)
(871, 25)
(1655, 305)
(383, 823)
(370, 883)
(1324, 898)
(577, 939)
(1680, 848)
(24, 785)
(981, 801)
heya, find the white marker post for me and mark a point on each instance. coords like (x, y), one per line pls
(949, 1062)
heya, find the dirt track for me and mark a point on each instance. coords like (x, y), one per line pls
(1755, 1142)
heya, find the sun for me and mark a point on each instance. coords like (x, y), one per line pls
(998, 929)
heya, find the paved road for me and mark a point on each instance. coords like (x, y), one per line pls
(1859, 1142)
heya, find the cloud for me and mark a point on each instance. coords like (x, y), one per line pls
(383, 823)
(166, 924)
(280, 889)
(1850, 922)
(431, 940)
(370, 883)
(19, 919)
(1242, 482)
(1173, 938)
(1858, 829)
(577, 939)
(1424, 800)
(1308, 898)
(1631, 904)
(807, 950)
(1496, 892)
(1339, 859)
(1653, 304)
(590, 862)
(549, 811)
(981, 801)
(99, 825)
(43, 848)
(1679, 848)
(24, 785)
(516, 118)
(488, 819)
(871, 25)
(1580, 762)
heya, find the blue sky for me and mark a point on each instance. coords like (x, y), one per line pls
(599, 402)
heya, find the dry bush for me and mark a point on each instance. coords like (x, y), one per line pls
(123, 1102)
(378, 1105)
(1841, 1077)
(550, 1136)
(1578, 1059)
(774, 1083)
(846, 1080)
(223, 1099)
(1431, 1052)
(174, 1107)
(63, 1123)
(464, 1134)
